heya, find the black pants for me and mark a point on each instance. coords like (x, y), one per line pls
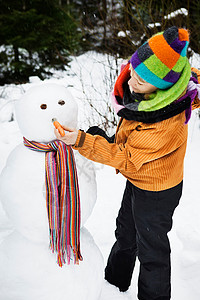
(143, 222)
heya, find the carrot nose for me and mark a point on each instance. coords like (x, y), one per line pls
(58, 126)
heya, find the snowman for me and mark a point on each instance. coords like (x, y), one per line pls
(28, 267)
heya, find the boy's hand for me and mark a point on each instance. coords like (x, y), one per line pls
(70, 136)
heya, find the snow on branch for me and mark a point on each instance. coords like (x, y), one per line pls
(180, 11)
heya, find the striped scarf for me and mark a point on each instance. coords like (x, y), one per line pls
(62, 199)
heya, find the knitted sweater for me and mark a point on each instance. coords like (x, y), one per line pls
(151, 156)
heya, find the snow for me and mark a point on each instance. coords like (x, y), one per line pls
(184, 237)
(121, 34)
(39, 277)
(180, 11)
(152, 25)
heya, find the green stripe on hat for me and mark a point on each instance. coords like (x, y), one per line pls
(180, 63)
(156, 66)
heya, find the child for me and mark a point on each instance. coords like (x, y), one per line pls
(153, 95)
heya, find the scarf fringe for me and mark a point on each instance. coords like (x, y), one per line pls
(68, 253)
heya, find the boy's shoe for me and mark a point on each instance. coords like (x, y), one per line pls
(123, 289)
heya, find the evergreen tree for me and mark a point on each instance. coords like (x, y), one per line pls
(35, 36)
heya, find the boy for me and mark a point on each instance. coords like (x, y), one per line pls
(153, 95)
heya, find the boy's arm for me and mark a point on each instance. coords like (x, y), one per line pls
(130, 157)
(98, 149)
(196, 102)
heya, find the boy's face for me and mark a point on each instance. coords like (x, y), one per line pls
(138, 85)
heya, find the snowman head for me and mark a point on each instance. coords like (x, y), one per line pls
(39, 105)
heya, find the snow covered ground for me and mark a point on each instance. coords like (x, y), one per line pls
(185, 235)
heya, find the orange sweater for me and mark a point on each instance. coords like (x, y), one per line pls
(151, 156)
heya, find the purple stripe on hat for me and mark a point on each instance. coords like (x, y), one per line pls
(172, 76)
(135, 61)
(178, 45)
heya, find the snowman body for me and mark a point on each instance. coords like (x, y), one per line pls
(28, 267)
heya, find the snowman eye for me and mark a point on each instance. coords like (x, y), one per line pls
(61, 102)
(43, 106)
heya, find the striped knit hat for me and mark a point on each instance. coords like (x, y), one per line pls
(161, 60)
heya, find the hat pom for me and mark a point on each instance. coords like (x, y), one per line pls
(183, 34)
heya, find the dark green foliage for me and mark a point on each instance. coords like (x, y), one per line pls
(38, 35)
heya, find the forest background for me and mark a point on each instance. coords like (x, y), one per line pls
(38, 35)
